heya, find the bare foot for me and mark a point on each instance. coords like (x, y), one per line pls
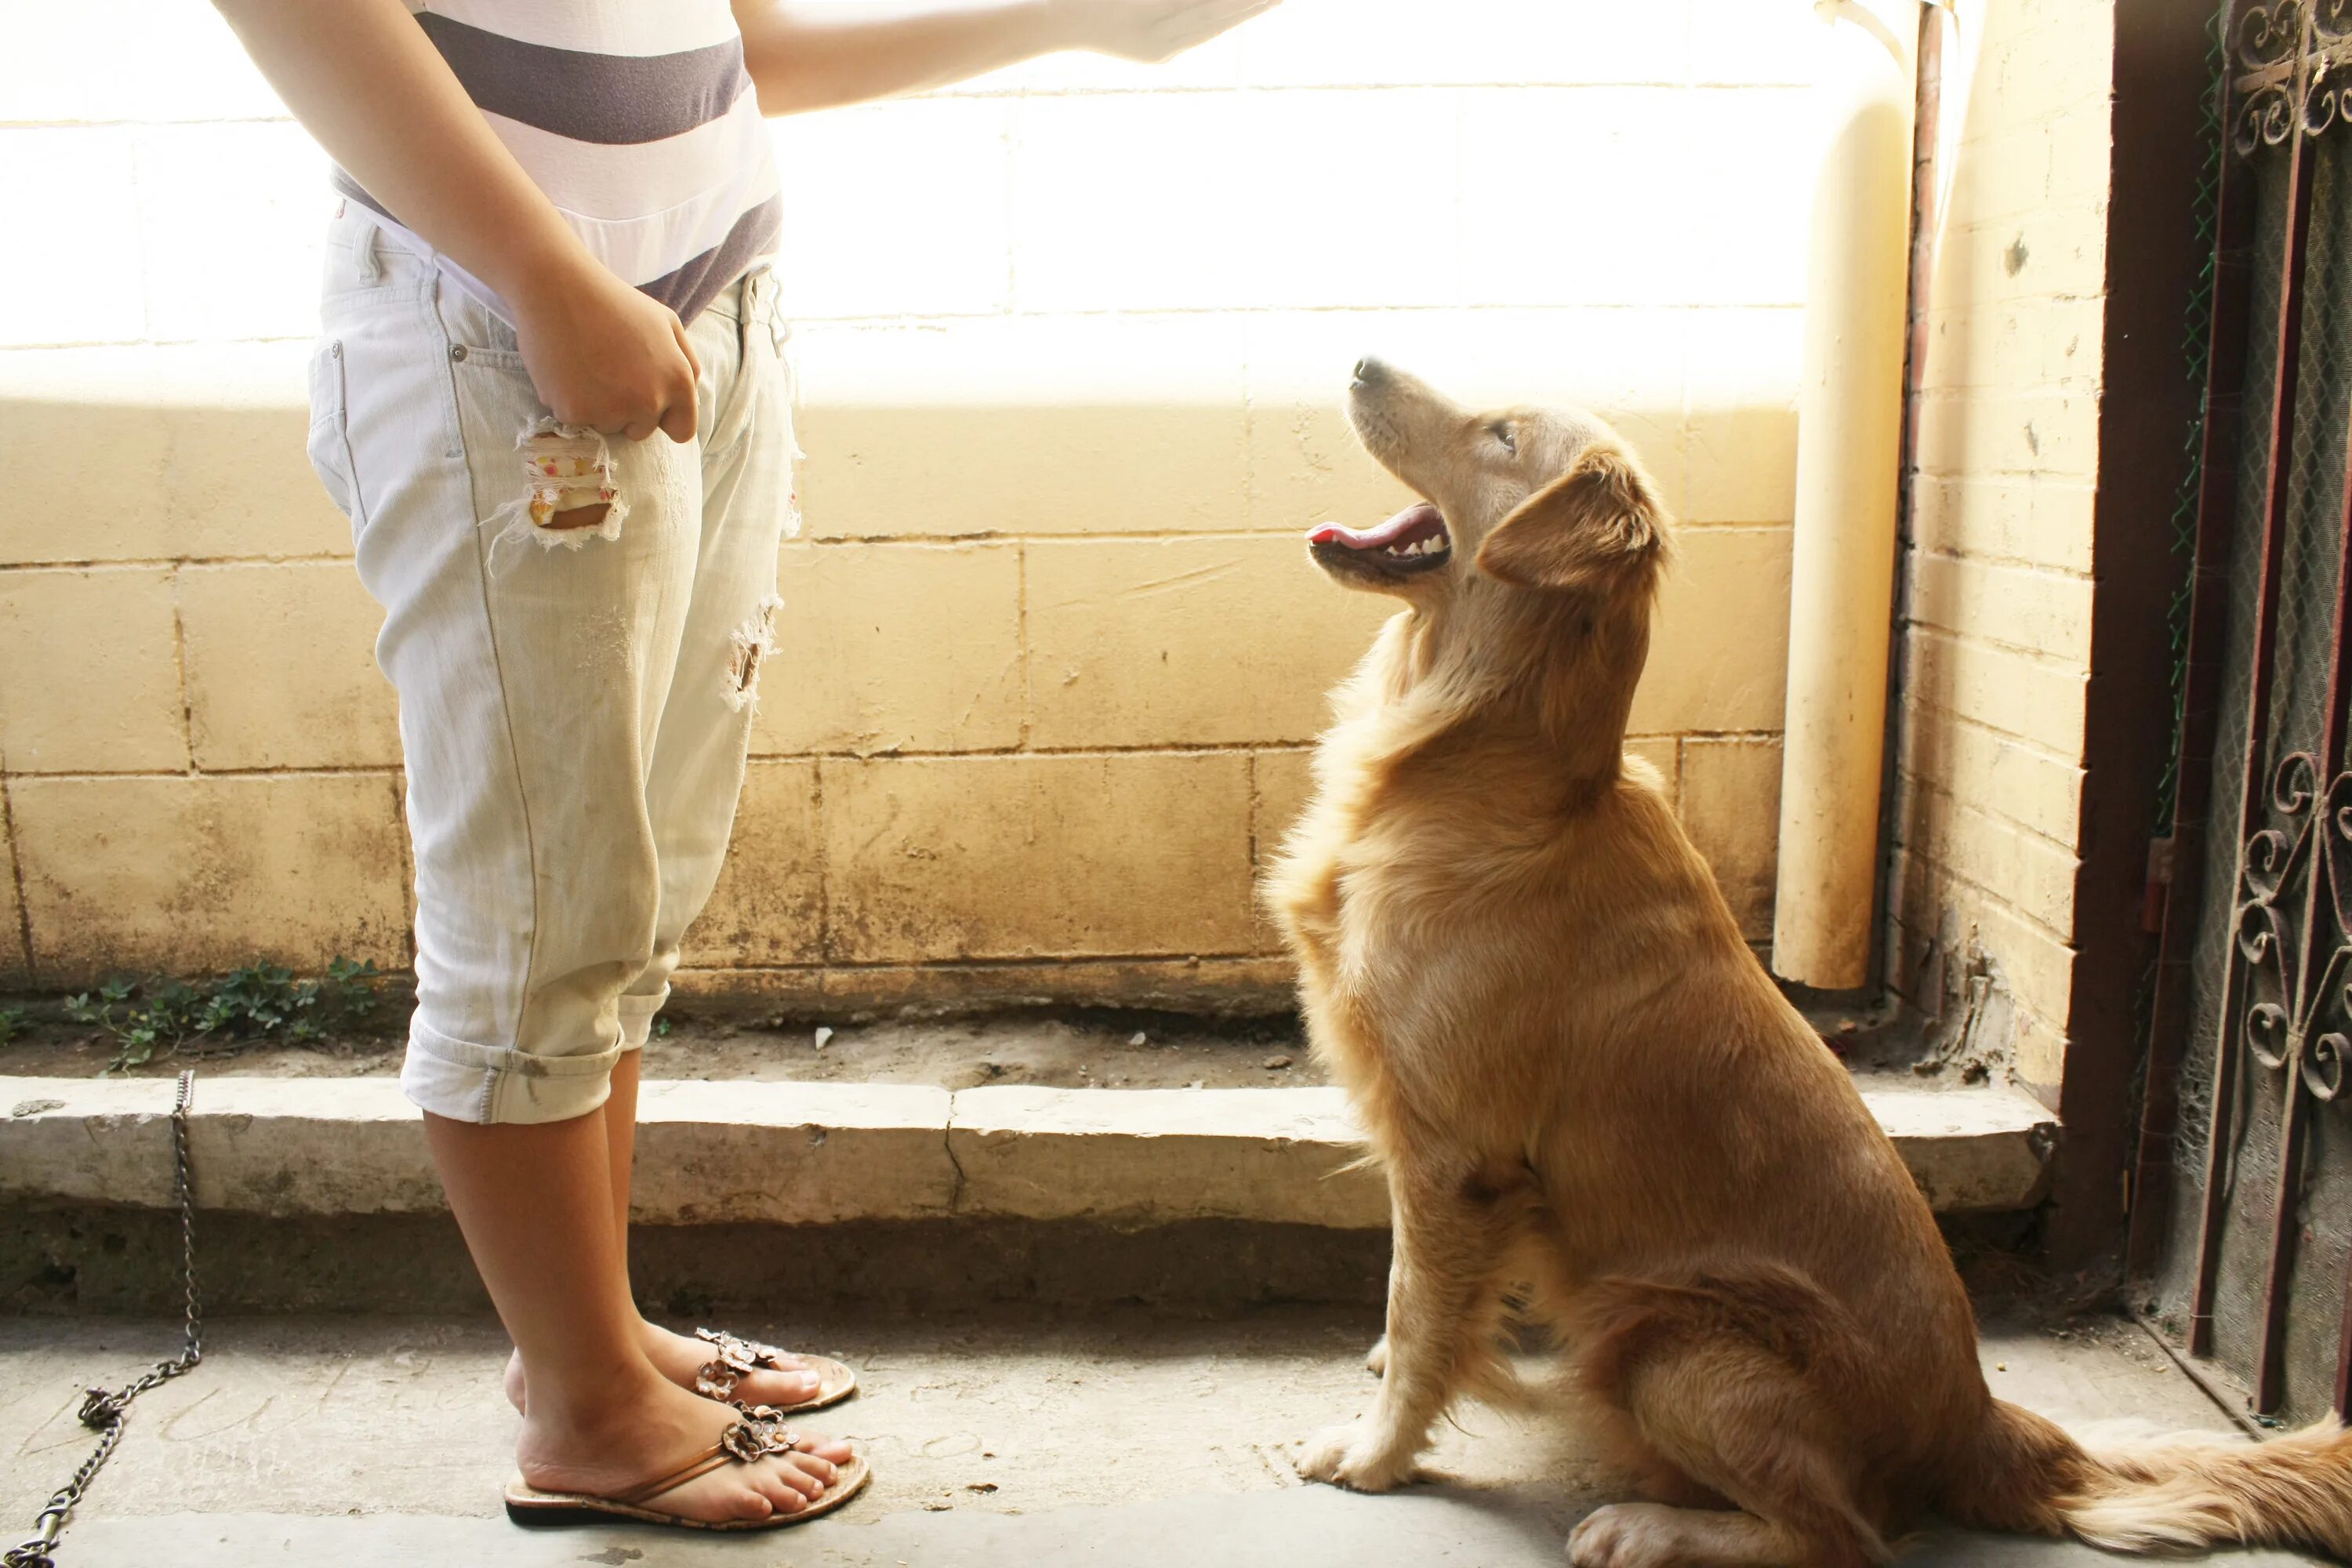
(657, 1428)
(678, 1357)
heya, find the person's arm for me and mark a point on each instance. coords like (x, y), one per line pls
(809, 53)
(363, 79)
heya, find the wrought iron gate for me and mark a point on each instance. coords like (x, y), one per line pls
(2261, 1218)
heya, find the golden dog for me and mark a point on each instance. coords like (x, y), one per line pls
(1584, 1089)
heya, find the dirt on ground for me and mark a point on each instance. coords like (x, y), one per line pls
(1061, 1049)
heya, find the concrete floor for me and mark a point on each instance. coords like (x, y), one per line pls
(1114, 1440)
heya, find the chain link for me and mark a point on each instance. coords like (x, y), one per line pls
(104, 1411)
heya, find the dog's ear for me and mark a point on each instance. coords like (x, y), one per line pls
(1596, 528)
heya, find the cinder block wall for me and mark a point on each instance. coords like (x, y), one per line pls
(1996, 644)
(1073, 344)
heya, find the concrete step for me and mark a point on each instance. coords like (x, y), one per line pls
(800, 1154)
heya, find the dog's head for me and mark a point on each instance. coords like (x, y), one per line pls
(1518, 501)
(1540, 544)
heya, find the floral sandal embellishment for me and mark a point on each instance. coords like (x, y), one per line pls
(736, 1360)
(733, 1359)
(758, 1435)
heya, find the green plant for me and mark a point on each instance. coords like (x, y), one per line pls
(260, 1001)
(11, 1024)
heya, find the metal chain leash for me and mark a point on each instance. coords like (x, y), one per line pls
(103, 1411)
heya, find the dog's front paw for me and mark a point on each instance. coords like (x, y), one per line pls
(1623, 1535)
(1352, 1456)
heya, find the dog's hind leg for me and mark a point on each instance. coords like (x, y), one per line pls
(1454, 1235)
(1722, 1380)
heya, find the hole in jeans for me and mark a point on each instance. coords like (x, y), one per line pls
(570, 472)
(753, 641)
(579, 517)
(569, 493)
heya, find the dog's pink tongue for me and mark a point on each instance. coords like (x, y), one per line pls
(1378, 538)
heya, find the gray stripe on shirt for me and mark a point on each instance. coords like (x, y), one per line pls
(696, 283)
(608, 99)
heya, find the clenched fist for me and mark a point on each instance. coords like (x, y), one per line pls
(604, 356)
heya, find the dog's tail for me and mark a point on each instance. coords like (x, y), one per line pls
(2168, 1495)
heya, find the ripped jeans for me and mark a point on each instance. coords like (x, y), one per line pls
(575, 702)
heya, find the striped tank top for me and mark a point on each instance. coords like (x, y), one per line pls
(636, 117)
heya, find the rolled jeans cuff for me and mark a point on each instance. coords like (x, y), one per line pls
(496, 1084)
(637, 1018)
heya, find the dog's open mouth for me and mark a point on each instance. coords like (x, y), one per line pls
(1413, 542)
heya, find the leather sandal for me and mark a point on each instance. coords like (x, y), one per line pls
(736, 1359)
(756, 1437)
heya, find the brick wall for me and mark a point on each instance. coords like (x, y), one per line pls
(1998, 562)
(1073, 343)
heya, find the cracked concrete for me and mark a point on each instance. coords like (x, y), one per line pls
(962, 1184)
(1001, 1439)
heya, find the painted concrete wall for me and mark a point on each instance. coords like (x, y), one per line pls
(1996, 644)
(1073, 343)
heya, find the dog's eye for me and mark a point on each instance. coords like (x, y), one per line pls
(1502, 432)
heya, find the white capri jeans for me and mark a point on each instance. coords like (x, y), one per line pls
(576, 704)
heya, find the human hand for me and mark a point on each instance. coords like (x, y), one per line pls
(1153, 31)
(604, 355)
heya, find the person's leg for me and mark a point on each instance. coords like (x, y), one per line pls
(534, 1202)
(699, 725)
(677, 1356)
(621, 1146)
(674, 1355)
(694, 777)
(695, 774)
(522, 672)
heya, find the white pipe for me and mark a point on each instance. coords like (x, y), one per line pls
(1848, 449)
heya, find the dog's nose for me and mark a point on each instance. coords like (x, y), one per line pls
(1370, 371)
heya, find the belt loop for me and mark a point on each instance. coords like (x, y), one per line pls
(370, 264)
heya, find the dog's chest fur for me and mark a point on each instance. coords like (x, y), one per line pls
(1409, 893)
(1472, 926)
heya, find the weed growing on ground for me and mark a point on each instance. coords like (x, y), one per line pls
(210, 1017)
(12, 1023)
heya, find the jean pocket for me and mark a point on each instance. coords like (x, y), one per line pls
(362, 262)
(330, 443)
(476, 334)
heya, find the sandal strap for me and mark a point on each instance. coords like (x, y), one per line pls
(740, 1444)
(702, 1464)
